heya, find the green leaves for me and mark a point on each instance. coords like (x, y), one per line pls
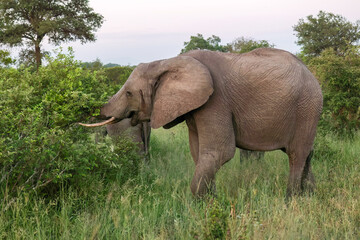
(243, 45)
(41, 144)
(198, 42)
(324, 31)
(239, 45)
(29, 21)
(340, 80)
(330, 48)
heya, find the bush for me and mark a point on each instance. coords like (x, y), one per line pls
(41, 146)
(340, 80)
(215, 222)
(118, 75)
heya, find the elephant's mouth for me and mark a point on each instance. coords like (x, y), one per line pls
(134, 118)
(111, 120)
(130, 114)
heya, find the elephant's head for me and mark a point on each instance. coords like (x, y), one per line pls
(160, 92)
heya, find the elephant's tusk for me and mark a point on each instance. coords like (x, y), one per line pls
(112, 119)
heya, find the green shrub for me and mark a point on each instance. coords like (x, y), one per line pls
(216, 221)
(118, 75)
(41, 146)
(340, 80)
(323, 147)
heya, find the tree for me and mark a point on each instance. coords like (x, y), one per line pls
(198, 42)
(243, 45)
(29, 22)
(239, 45)
(340, 81)
(94, 65)
(316, 34)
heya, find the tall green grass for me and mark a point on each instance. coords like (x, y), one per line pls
(158, 204)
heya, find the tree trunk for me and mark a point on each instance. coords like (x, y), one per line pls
(37, 55)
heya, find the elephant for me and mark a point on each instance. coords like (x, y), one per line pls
(263, 100)
(139, 134)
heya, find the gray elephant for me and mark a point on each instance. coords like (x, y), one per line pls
(262, 100)
(140, 133)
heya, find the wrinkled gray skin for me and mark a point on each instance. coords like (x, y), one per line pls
(263, 100)
(140, 133)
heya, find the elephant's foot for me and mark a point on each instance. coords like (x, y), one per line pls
(203, 186)
(203, 182)
(308, 179)
(300, 186)
(292, 190)
(308, 184)
(308, 187)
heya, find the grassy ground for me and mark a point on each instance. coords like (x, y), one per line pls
(157, 204)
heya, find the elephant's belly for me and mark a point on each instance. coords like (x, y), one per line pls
(264, 135)
(259, 146)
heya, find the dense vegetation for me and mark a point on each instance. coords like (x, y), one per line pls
(157, 202)
(340, 80)
(41, 144)
(62, 181)
(330, 48)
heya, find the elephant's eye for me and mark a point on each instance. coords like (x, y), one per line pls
(129, 94)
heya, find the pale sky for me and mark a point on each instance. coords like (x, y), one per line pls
(138, 31)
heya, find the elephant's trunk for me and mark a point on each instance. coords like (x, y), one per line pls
(109, 121)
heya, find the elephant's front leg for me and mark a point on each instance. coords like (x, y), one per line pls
(203, 181)
(214, 151)
(208, 164)
(193, 139)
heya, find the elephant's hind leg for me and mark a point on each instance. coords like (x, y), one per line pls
(300, 151)
(300, 177)
(307, 179)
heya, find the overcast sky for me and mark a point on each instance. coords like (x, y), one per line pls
(137, 31)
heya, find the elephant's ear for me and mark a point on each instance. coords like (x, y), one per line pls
(184, 84)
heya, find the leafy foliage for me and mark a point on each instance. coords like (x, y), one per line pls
(198, 42)
(239, 45)
(41, 144)
(118, 75)
(215, 224)
(5, 59)
(316, 34)
(110, 65)
(243, 45)
(30, 21)
(95, 65)
(329, 48)
(340, 80)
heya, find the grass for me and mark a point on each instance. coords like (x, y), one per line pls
(157, 204)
